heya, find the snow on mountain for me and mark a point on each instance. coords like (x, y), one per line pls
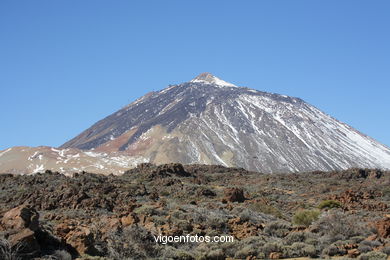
(208, 120)
(28, 160)
(207, 78)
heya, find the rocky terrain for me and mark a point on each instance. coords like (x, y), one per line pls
(90, 216)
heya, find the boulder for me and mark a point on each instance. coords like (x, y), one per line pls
(234, 195)
(77, 236)
(172, 168)
(129, 219)
(21, 217)
(25, 240)
(383, 227)
(274, 255)
(82, 240)
(353, 253)
(243, 229)
(206, 192)
(21, 223)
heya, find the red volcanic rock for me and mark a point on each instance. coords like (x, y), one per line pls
(243, 229)
(129, 219)
(76, 235)
(26, 240)
(234, 195)
(353, 253)
(21, 217)
(352, 200)
(383, 227)
(274, 255)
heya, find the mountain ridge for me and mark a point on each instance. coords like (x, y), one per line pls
(209, 100)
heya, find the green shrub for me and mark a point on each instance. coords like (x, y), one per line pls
(329, 204)
(147, 210)
(165, 193)
(266, 209)
(305, 217)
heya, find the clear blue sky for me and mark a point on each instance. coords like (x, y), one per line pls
(66, 64)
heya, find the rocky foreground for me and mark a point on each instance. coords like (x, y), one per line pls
(88, 216)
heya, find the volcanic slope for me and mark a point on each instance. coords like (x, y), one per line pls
(210, 121)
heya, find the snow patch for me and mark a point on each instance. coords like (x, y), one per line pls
(38, 168)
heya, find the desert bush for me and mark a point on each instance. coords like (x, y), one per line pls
(329, 204)
(272, 247)
(371, 243)
(374, 255)
(133, 242)
(255, 241)
(61, 255)
(182, 255)
(333, 250)
(159, 220)
(170, 252)
(217, 224)
(246, 215)
(8, 252)
(299, 249)
(165, 193)
(364, 248)
(367, 246)
(277, 228)
(245, 252)
(305, 217)
(294, 237)
(357, 239)
(386, 192)
(216, 254)
(386, 250)
(88, 257)
(261, 255)
(313, 241)
(339, 226)
(299, 237)
(266, 209)
(253, 216)
(147, 210)
(247, 247)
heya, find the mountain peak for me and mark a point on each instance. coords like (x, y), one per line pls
(205, 76)
(206, 120)
(208, 78)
